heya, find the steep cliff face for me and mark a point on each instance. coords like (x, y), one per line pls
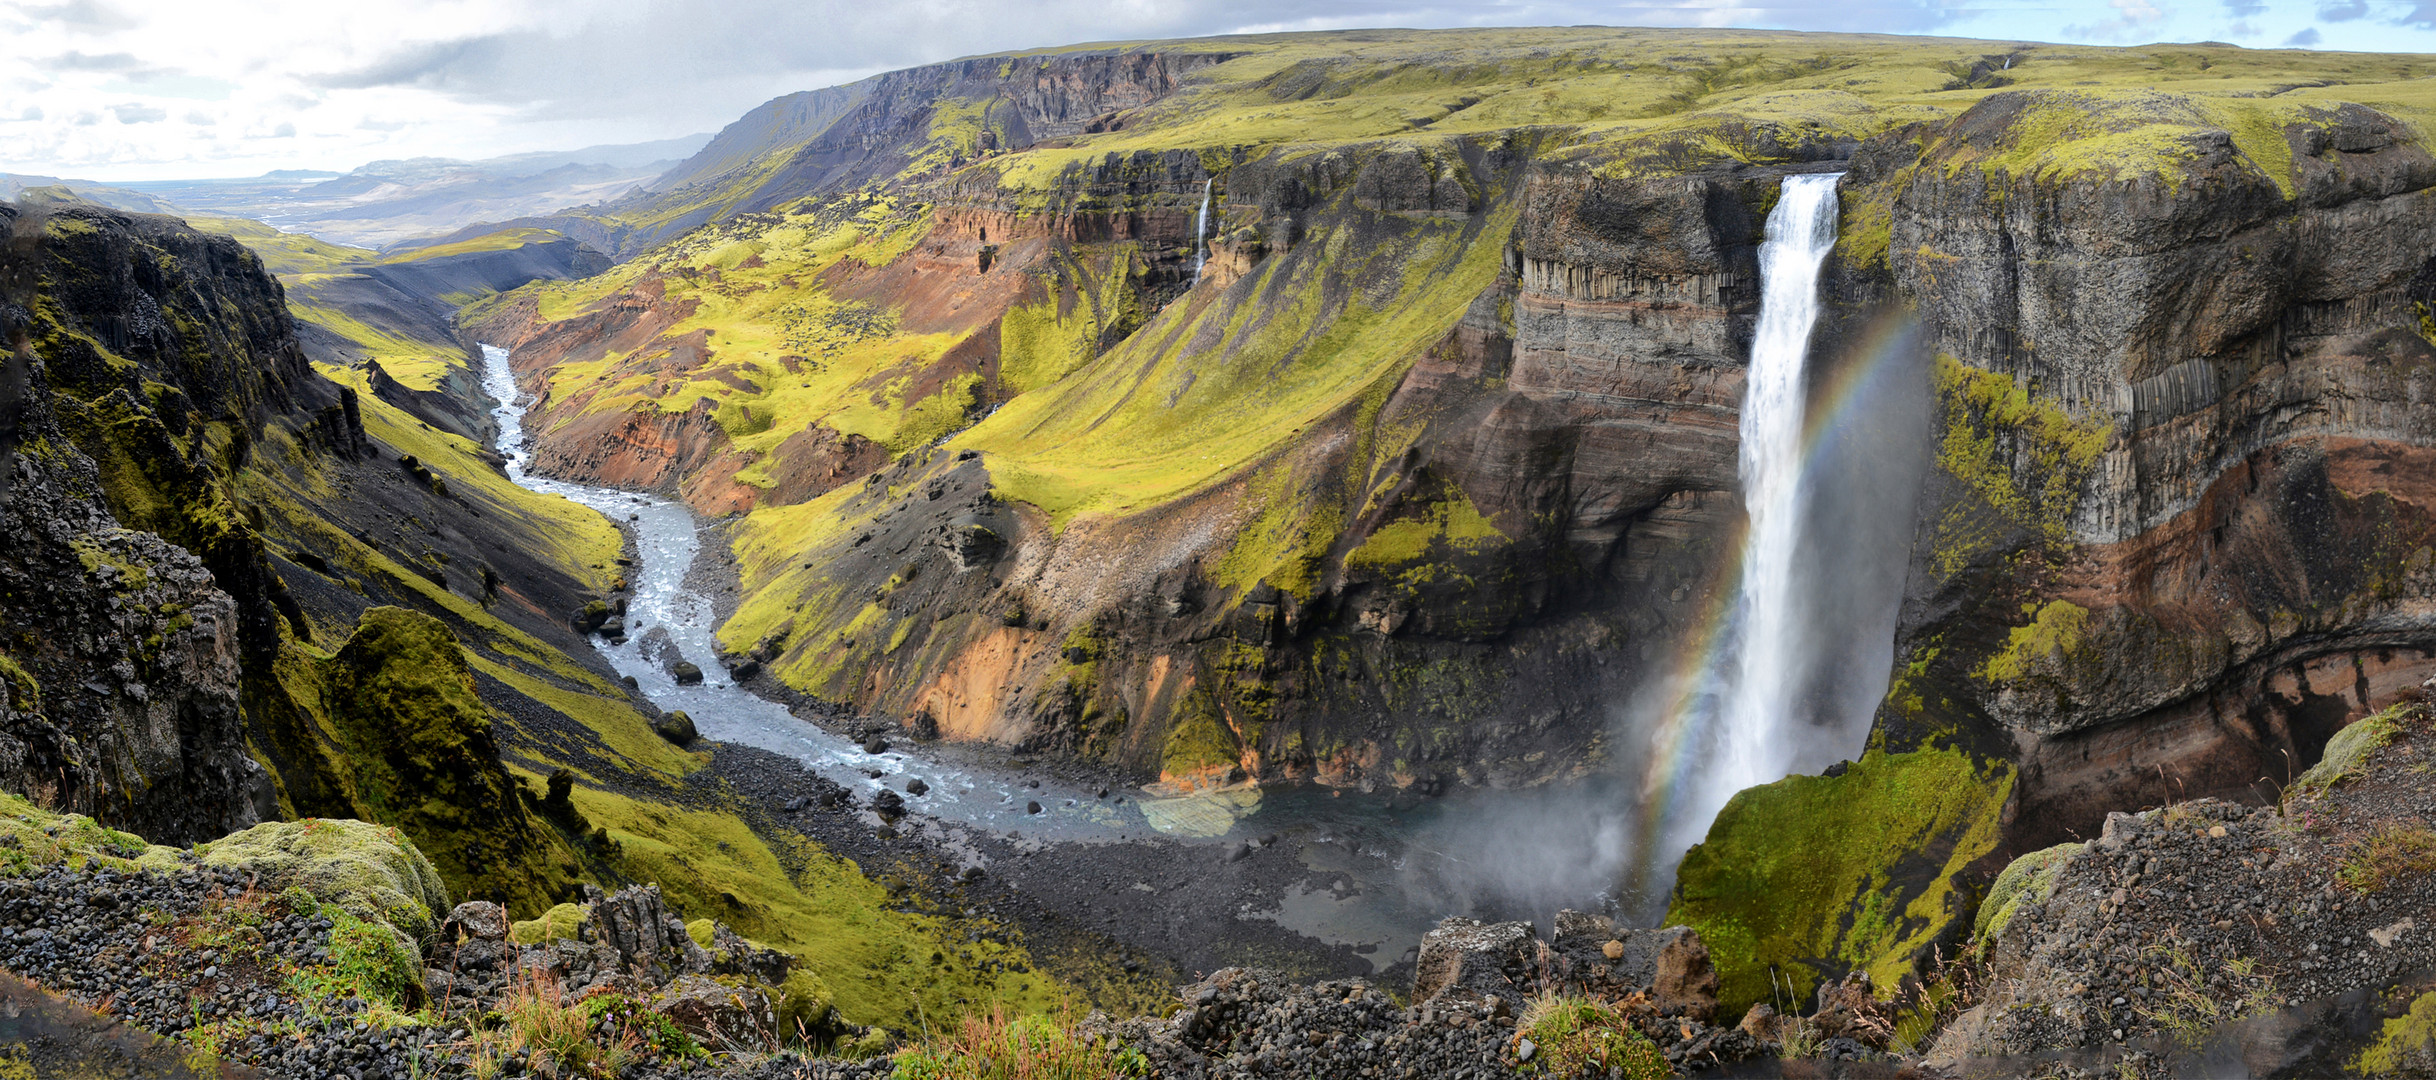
(2175, 531)
(121, 655)
(923, 120)
(2181, 526)
(174, 460)
(1419, 463)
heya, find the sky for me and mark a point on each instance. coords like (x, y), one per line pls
(119, 90)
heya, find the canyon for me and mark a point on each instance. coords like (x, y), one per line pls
(1338, 442)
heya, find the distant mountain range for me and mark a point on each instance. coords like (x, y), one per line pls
(385, 202)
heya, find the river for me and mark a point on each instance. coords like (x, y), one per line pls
(1378, 870)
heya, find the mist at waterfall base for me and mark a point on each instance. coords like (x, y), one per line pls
(1856, 445)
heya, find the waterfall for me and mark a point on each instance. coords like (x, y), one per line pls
(1756, 680)
(1201, 231)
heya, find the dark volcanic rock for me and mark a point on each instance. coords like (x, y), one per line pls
(676, 727)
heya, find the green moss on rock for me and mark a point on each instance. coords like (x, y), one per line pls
(805, 1005)
(421, 755)
(1814, 876)
(2051, 646)
(2025, 880)
(2350, 748)
(557, 924)
(31, 837)
(21, 690)
(1200, 739)
(2025, 458)
(2406, 1045)
(370, 870)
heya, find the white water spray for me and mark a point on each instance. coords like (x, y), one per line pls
(1201, 231)
(1761, 678)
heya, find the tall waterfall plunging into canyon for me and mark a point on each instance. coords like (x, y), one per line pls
(1773, 652)
(1759, 697)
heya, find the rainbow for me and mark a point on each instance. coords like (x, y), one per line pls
(1872, 365)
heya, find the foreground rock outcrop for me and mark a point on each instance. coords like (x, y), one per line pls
(2285, 935)
(315, 947)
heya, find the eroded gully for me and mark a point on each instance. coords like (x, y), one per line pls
(1362, 877)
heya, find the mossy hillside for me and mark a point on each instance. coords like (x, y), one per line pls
(400, 701)
(1211, 386)
(2122, 133)
(1600, 84)
(1092, 296)
(609, 727)
(507, 239)
(1319, 337)
(1805, 879)
(1654, 100)
(286, 253)
(287, 504)
(887, 965)
(416, 363)
(782, 348)
(328, 286)
(578, 539)
(151, 483)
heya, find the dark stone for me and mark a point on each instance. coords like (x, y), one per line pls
(888, 804)
(677, 728)
(687, 674)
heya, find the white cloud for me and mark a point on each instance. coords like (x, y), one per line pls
(133, 113)
(474, 78)
(2133, 18)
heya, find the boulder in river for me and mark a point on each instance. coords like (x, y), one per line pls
(687, 674)
(590, 618)
(888, 804)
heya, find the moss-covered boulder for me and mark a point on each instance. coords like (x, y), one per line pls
(2025, 880)
(372, 871)
(2347, 752)
(399, 698)
(1812, 877)
(32, 837)
(561, 923)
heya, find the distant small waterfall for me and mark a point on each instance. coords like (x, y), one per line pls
(1201, 231)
